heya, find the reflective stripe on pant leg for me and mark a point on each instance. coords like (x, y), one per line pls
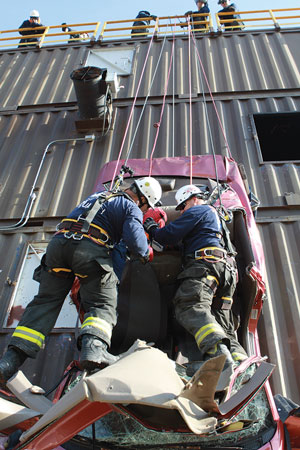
(205, 332)
(91, 323)
(28, 334)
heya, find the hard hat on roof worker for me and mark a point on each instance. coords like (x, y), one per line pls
(190, 190)
(150, 188)
(201, 1)
(34, 13)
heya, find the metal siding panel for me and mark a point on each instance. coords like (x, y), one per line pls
(279, 324)
(241, 71)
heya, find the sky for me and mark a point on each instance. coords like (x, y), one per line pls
(54, 12)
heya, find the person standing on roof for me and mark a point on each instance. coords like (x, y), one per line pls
(81, 248)
(202, 9)
(33, 22)
(230, 7)
(147, 19)
(207, 283)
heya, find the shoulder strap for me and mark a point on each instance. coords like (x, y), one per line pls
(90, 214)
(229, 247)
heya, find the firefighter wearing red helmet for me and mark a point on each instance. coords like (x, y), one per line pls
(82, 247)
(207, 283)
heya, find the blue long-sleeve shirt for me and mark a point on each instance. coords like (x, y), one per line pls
(121, 218)
(198, 227)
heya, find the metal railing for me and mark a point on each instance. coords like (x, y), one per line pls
(163, 25)
(119, 29)
(257, 19)
(49, 35)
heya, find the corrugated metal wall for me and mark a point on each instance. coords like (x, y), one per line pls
(249, 73)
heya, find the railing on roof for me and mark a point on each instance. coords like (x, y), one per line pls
(200, 23)
(49, 35)
(255, 19)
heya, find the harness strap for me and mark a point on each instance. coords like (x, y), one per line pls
(72, 228)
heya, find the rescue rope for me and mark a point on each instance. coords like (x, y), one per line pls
(212, 98)
(200, 65)
(146, 100)
(157, 125)
(132, 108)
(190, 103)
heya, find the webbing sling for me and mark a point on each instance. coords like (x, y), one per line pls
(88, 216)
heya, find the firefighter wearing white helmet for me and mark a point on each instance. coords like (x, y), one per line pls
(150, 188)
(207, 283)
(82, 247)
(32, 24)
(188, 191)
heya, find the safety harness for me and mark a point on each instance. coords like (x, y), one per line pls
(83, 227)
(216, 254)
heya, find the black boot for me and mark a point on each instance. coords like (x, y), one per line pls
(10, 363)
(229, 366)
(94, 354)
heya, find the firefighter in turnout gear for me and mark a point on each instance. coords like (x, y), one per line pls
(208, 280)
(82, 247)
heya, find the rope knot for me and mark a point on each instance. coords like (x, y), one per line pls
(156, 125)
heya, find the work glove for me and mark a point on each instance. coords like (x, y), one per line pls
(150, 226)
(188, 13)
(154, 17)
(158, 214)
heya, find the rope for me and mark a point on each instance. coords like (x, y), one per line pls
(208, 124)
(157, 125)
(146, 100)
(132, 108)
(190, 103)
(212, 99)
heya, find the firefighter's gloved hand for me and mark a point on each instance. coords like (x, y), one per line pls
(188, 13)
(150, 225)
(157, 214)
(154, 17)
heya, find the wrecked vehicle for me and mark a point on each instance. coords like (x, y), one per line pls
(146, 399)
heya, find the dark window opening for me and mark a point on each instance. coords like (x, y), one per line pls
(278, 136)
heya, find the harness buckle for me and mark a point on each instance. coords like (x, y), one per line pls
(68, 234)
(77, 236)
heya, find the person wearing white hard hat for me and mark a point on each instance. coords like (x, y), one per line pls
(202, 8)
(32, 23)
(82, 247)
(207, 283)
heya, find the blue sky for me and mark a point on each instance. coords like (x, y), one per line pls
(54, 12)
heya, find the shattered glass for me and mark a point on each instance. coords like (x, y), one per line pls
(118, 430)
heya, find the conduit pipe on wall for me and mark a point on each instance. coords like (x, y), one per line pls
(32, 195)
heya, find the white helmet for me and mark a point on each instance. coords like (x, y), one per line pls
(150, 188)
(34, 13)
(186, 192)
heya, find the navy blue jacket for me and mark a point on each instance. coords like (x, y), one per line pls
(121, 218)
(198, 227)
(28, 24)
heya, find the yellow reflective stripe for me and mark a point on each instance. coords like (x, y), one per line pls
(29, 334)
(210, 277)
(206, 330)
(238, 356)
(96, 322)
(81, 276)
(226, 298)
(209, 248)
(60, 269)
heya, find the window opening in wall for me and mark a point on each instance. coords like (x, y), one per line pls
(278, 136)
(26, 289)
